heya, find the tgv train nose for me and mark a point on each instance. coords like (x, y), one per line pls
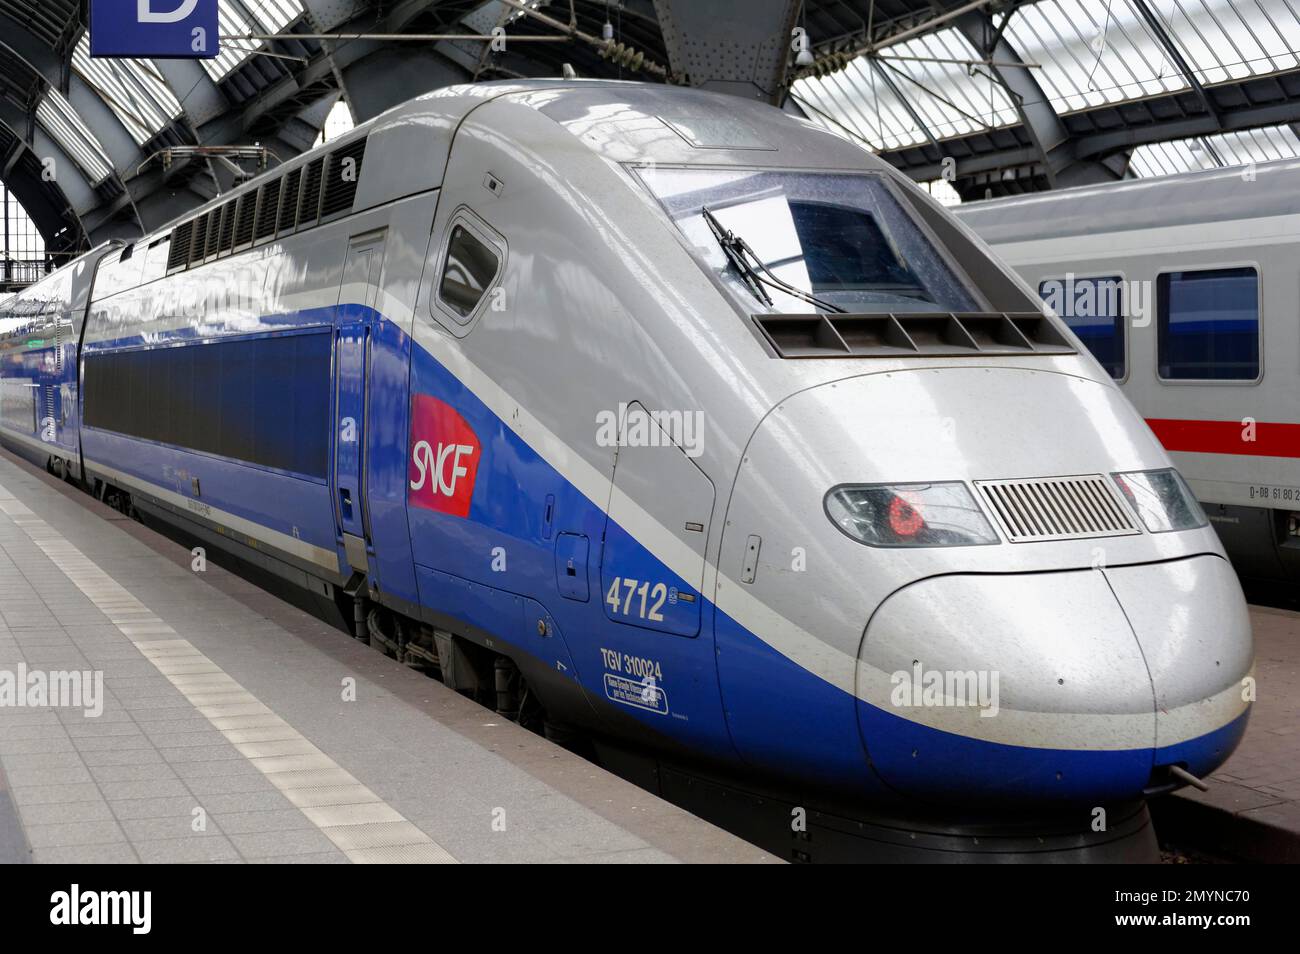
(1075, 685)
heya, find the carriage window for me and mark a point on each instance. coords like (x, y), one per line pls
(262, 400)
(1207, 324)
(1094, 310)
(468, 272)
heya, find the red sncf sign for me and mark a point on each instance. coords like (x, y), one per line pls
(444, 457)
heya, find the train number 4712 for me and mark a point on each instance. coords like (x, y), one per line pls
(643, 599)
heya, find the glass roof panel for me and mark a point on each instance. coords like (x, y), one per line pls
(274, 15)
(893, 99)
(1210, 152)
(133, 89)
(1230, 39)
(231, 22)
(1092, 52)
(240, 19)
(64, 126)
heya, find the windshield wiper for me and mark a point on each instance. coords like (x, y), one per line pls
(738, 255)
(731, 247)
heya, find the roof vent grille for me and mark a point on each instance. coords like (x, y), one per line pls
(940, 334)
(200, 240)
(228, 226)
(214, 230)
(179, 251)
(309, 203)
(244, 221)
(1057, 508)
(342, 177)
(268, 210)
(288, 219)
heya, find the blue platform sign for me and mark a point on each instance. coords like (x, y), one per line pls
(166, 29)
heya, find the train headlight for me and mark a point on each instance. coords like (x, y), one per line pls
(909, 515)
(1162, 499)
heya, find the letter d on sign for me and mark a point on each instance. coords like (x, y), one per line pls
(144, 12)
(167, 29)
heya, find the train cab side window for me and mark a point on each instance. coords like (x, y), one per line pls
(1094, 310)
(467, 273)
(1207, 324)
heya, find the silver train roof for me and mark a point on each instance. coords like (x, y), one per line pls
(1215, 195)
(622, 120)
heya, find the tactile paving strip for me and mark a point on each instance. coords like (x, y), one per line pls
(363, 826)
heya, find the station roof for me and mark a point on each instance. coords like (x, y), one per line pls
(997, 96)
(1029, 95)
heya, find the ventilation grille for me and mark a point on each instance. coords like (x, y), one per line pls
(1057, 508)
(227, 226)
(900, 335)
(199, 241)
(301, 198)
(178, 252)
(341, 183)
(289, 209)
(309, 205)
(267, 212)
(244, 221)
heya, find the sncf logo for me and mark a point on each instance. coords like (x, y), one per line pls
(444, 457)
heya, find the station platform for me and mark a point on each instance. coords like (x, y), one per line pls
(238, 728)
(1252, 809)
(228, 730)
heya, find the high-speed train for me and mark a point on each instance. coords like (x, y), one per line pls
(674, 416)
(1184, 287)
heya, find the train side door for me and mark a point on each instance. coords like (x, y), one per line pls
(654, 476)
(358, 292)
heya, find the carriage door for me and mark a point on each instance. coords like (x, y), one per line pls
(358, 293)
(656, 483)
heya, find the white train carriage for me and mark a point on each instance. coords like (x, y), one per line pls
(1185, 290)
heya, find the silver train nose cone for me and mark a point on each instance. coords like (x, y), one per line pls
(1074, 685)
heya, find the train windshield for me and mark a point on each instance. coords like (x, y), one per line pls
(800, 241)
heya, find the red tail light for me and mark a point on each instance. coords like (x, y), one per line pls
(905, 519)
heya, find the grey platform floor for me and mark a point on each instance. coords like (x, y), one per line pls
(225, 734)
(1252, 809)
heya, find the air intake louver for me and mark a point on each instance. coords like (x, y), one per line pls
(227, 226)
(199, 241)
(301, 198)
(178, 252)
(214, 231)
(309, 204)
(902, 335)
(1057, 508)
(344, 171)
(244, 221)
(267, 211)
(289, 207)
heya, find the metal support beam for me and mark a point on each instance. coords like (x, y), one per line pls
(978, 165)
(420, 70)
(69, 187)
(1273, 114)
(1062, 165)
(740, 47)
(878, 69)
(1157, 30)
(376, 83)
(45, 202)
